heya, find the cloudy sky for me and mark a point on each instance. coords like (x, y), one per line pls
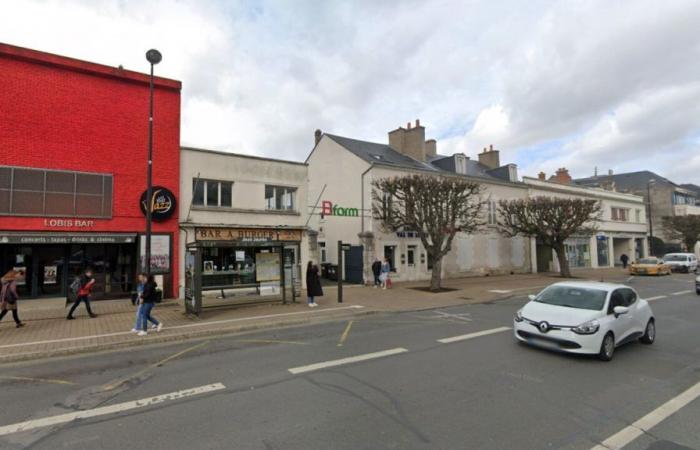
(582, 84)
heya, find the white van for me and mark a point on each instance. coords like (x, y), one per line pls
(682, 262)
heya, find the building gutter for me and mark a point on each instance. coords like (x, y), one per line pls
(362, 200)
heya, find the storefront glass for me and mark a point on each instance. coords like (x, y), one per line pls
(578, 252)
(603, 251)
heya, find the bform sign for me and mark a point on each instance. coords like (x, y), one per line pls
(329, 209)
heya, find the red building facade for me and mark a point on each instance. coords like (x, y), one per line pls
(73, 152)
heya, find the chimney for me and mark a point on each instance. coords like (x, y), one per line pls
(430, 147)
(317, 136)
(542, 176)
(409, 141)
(562, 176)
(490, 158)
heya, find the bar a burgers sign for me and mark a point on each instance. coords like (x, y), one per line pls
(246, 235)
(162, 203)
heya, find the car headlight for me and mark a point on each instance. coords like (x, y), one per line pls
(518, 316)
(589, 327)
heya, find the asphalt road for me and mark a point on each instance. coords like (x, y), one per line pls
(261, 390)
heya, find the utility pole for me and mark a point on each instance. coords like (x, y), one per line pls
(154, 57)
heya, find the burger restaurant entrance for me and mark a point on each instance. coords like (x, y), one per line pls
(50, 261)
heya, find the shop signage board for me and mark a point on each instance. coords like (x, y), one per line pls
(61, 238)
(162, 203)
(267, 267)
(160, 253)
(247, 235)
(329, 209)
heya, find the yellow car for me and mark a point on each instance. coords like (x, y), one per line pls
(650, 266)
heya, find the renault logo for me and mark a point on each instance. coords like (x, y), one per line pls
(543, 326)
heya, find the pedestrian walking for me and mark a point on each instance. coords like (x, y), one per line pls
(624, 258)
(138, 301)
(384, 276)
(9, 297)
(85, 284)
(377, 271)
(313, 284)
(148, 301)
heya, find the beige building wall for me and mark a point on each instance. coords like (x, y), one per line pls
(249, 176)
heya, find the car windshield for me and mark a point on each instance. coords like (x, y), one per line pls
(675, 258)
(648, 261)
(573, 297)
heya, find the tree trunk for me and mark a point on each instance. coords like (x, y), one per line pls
(436, 277)
(563, 262)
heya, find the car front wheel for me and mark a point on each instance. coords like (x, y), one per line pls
(607, 348)
(649, 333)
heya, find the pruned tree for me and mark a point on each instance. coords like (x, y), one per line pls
(436, 208)
(551, 220)
(683, 228)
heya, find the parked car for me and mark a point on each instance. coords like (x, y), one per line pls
(697, 285)
(682, 262)
(585, 317)
(650, 266)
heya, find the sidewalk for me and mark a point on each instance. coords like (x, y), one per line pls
(48, 333)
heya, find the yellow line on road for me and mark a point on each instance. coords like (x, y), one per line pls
(116, 384)
(270, 341)
(344, 336)
(38, 380)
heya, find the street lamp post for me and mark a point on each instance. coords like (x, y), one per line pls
(154, 57)
(651, 230)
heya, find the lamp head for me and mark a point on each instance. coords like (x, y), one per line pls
(153, 56)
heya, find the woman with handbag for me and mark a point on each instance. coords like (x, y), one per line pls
(8, 296)
(149, 298)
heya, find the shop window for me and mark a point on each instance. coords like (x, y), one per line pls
(390, 255)
(212, 193)
(39, 192)
(280, 198)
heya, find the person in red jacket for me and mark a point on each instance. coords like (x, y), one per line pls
(87, 281)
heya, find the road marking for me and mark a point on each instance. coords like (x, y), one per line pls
(463, 317)
(269, 341)
(37, 380)
(501, 291)
(658, 297)
(465, 337)
(189, 325)
(104, 410)
(344, 336)
(646, 423)
(343, 361)
(681, 292)
(116, 384)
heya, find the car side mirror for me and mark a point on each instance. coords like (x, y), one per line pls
(532, 296)
(620, 310)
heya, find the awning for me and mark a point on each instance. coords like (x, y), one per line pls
(18, 237)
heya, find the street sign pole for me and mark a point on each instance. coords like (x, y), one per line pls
(339, 272)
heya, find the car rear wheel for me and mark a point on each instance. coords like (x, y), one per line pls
(607, 348)
(649, 333)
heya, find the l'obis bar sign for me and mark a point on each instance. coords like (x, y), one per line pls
(329, 209)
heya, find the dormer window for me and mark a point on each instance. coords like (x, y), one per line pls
(460, 164)
(377, 157)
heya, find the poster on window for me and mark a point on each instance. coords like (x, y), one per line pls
(160, 253)
(50, 273)
(267, 267)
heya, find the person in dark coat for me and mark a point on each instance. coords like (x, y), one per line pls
(313, 284)
(624, 258)
(87, 282)
(377, 271)
(148, 301)
(9, 297)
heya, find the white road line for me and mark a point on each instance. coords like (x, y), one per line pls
(350, 360)
(104, 410)
(189, 325)
(646, 423)
(658, 297)
(501, 291)
(465, 337)
(681, 292)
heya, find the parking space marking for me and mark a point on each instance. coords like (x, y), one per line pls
(646, 423)
(501, 291)
(105, 410)
(681, 292)
(344, 361)
(465, 337)
(345, 334)
(658, 297)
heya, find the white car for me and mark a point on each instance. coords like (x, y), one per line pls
(585, 317)
(681, 262)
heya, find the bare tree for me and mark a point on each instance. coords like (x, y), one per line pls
(551, 220)
(434, 207)
(683, 228)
